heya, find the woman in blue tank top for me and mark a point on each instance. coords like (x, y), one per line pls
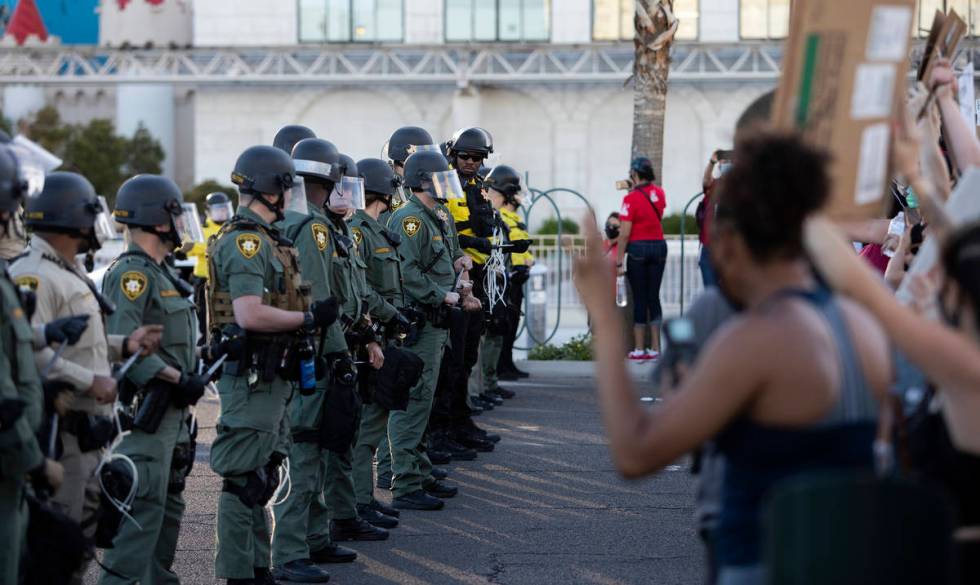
(787, 387)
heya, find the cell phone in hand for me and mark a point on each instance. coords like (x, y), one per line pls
(682, 345)
(624, 185)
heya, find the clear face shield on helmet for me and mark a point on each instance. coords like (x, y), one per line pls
(103, 229)
(35, 162)
(424, 148)
(221, 212)
(188, 225)
(347, 195)
(294, 198)
(444, 186)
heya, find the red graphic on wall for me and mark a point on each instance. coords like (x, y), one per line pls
(27, 21)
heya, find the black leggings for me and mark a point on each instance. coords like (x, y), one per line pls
(645, 264)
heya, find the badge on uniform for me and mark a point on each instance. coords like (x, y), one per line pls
(358, 236)
(320, 235)
(248, 245)
(411, 225)
(28, 282)
(442, 215)
(133, 284)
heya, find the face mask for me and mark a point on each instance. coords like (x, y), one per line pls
(612, 231)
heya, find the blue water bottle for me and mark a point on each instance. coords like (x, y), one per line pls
(307, 368)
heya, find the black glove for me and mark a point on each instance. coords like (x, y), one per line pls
(325, 312)
(66, 329)
(10, 411)
(39, 479)
(231, 342)
(189, 390)
(519, 246)
(343, 368)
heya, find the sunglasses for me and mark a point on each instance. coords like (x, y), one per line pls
(471, 157)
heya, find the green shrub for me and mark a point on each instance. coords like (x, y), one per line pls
(672, 225)
(579, 348)
(550, 227)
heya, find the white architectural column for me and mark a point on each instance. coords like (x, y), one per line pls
(21, 101)
(153, 106)
(719, 21)
(424, 22)
(465, 108)
(571, 21)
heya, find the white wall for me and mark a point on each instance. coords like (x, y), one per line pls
(719, 21)
(153, 107)
(576, 136)
(423, 22)
(245, 22)
(142, 23)
(571, 21)
(21, 101)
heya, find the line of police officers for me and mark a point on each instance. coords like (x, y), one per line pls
(345, 307)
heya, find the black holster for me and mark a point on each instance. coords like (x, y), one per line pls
(260, 485)
(56, 545)
(92, 431)
(341, 417)
(153, 406)
(394, 381)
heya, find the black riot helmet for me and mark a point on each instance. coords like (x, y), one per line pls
(380, 181)
(12, 185)
(506, 181)
(287, 137)
(348, 167)
(265, 170)
(68, 205)
(402, 142)
(419, 166)
(148, 200)
(317, 160)
(471, 140)
(217, 198)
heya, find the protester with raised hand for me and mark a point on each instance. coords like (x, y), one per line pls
(812, 409)
(960, 136)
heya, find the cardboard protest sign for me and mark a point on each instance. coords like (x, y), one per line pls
(844, 71)
(944, 38)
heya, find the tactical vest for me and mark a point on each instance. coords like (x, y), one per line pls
(293, 295)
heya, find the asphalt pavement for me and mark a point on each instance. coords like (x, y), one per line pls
(547, 506)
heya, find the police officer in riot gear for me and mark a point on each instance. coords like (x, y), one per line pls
(378, 248)
(66, 218)
(503, 187)
(21, 398)
(431, 261)
(288, 136)
(294, 551)
(475, 221)
(256, 286)
(146, 290)
(403, 143)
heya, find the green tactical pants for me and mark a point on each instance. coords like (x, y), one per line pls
(13, 530)
(307, 461)
(138, 549)
(252, 426)
(489, 356)
(406, 428)
(338, 486)
(371, 437)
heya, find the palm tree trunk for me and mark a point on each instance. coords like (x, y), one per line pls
(655, 25)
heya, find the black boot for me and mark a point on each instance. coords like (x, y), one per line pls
(440, 490)
(333, 553)
(356, 529)
(418, 500)
(375, 518)
(386, 510)
(301, 571)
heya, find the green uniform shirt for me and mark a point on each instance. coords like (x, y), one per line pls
(347, 270)
(145, 294)
(428, 251)
(19, 450)
(244, 261)
(311, 237)
(383, 272)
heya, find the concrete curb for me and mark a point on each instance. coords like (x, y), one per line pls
(542, 370)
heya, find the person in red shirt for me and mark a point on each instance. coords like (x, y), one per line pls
(641, 241)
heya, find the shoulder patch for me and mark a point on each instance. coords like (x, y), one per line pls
(396, 204)
(248, 244)
(133, 284)
(411, 225)
(320, 235)
(358, 236)
(27, 281)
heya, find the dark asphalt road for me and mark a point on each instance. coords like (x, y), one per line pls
(546, 507)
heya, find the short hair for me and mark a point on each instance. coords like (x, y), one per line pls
(613, 215)
(775, 182)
